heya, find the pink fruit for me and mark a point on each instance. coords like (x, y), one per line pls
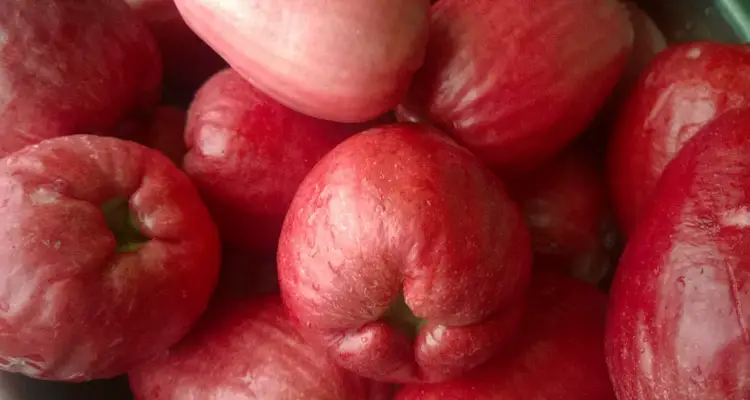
(249, 349)
(188, 60)
(567, 210)
(403, 256)
(677, 326)
(685, 87)
(247, 155)
(108, 257)
(515, 81)
(558, 353)
(343, 60)
(70, 67)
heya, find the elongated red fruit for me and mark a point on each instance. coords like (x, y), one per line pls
(557, 355)
(404, 256)
(515, 81)
(70, 67)
(343, 60)
(678, 324)
(684, 87)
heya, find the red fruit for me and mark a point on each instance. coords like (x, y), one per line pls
(248, 154)
(685, 87)
(515, 81)
(677, 325)
(343, 60)
(566, 208)
(400, 232)
(558, 353)
(188, 60)
(108, 257)
(249, 349)
(70, 67)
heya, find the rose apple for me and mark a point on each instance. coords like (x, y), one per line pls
(403, 255)
(247, 155)
(685, 87)
(558, 353)
(567, 211)
(188, 60)
(70, 67)
(677, 326)
(343, 60)
(515, 81)
(249, 349)
(108, 257)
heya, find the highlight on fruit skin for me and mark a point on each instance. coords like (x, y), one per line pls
(341, 60)
(395, 214)
(516, 81)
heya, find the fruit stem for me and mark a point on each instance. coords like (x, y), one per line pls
(122, 222)
(400, 315)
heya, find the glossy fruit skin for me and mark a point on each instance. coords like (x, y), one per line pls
(508, 80)
(342, 60)
(247, 156)
(566, 207)
(72, 307)
(402, 208)
(684, 87)
(557, 354)
(677, 326)
(188, 60)
(249, 349)
(70, 67)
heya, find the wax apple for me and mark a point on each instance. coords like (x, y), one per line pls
(249, 349)
(676, 326)
(247, 155)
(188, 60)
(109, 257)
(567, 210)
(558, 353)
(685, 87)
(403, 256)
(343, 60)
(515, 81)
(70, 67)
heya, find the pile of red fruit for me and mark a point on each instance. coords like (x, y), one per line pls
(352, 200)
